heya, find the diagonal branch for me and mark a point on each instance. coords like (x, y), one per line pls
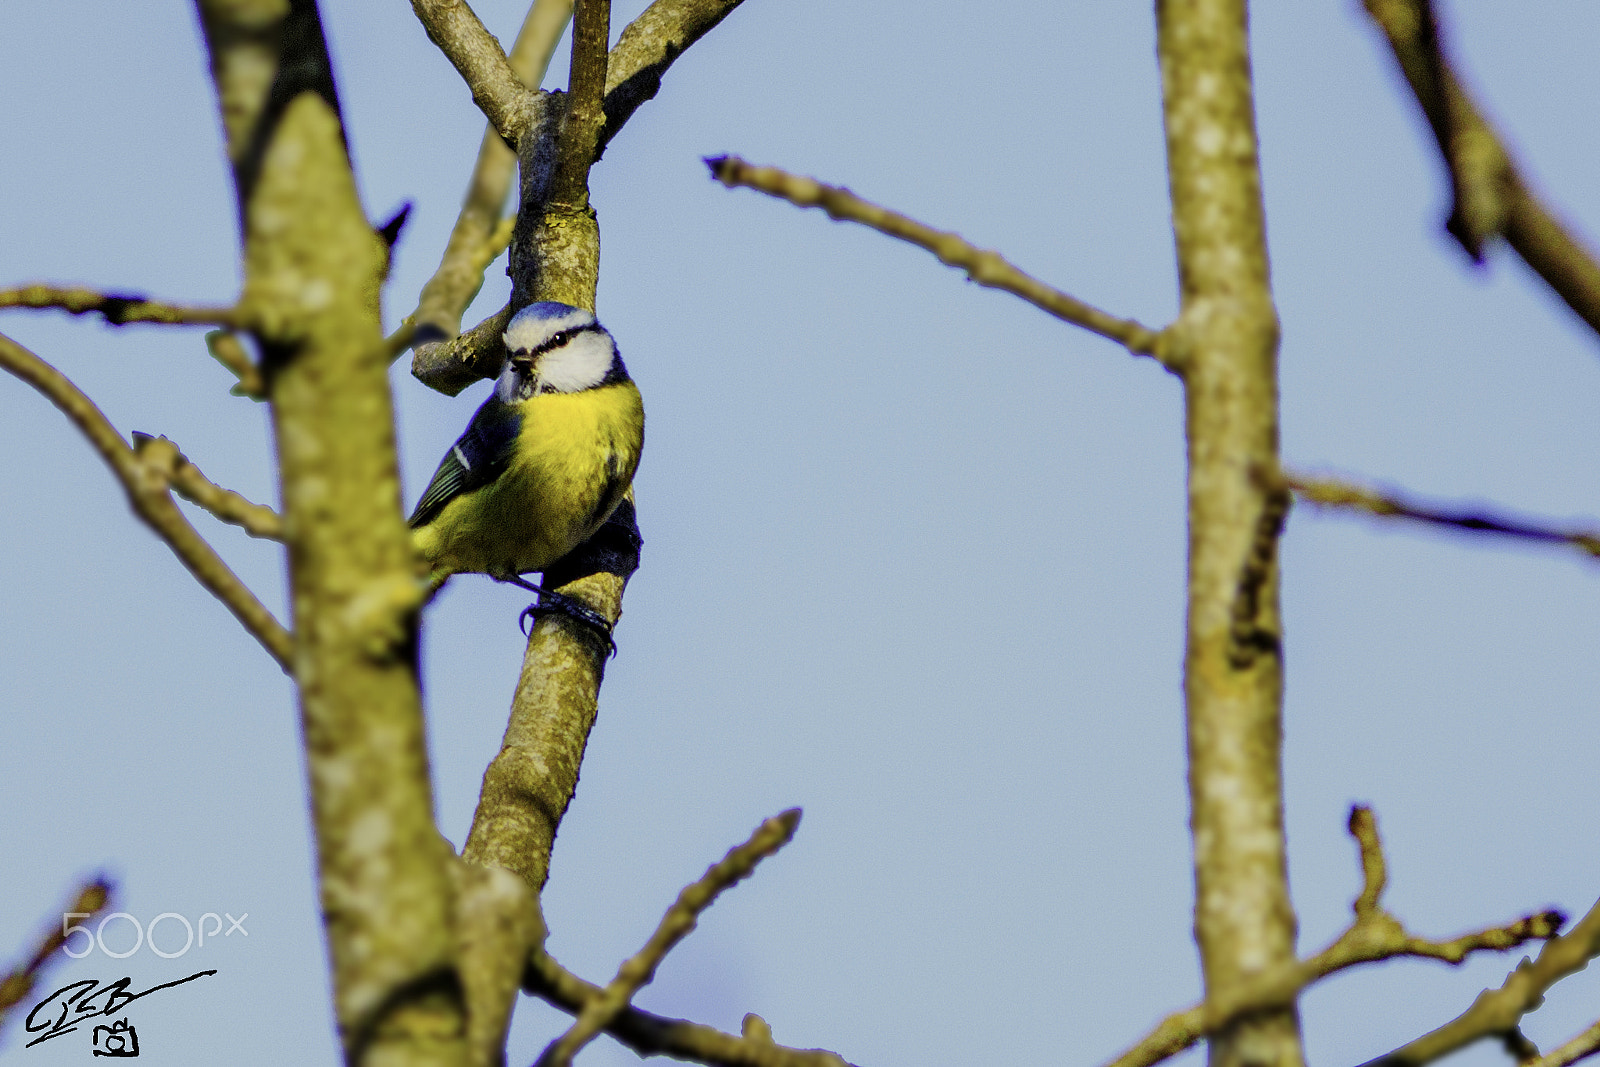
(1374, 935)
(1331, 493)
(1497, 1012)
(480, 234)
(648, 46)
(649, 1034)
(987, 268)
(118, 308)
(481, 62)
(163, 457)
(15, 987)
(148, 492)
(740, 862)
(1491, 196)
(1581, 1047)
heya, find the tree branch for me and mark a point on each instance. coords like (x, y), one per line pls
(1497, 1012)
(477, 56)
(647, 47)
(1491, 196)
(479, 235)
(227, 350)
(649, 1034)
(118, 308)
(557, 256)
(680, 920)
(15, 987)
(1374, 935)
(987, 268)
(163, 457)
(148, 493)
(1331, 493)
(1581, 1047)
(530, 782)
(313, 273)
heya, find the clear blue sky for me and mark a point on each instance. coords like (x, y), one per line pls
(913, 550)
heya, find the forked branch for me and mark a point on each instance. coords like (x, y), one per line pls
(480, 233)
(1498, 1012)
(1374, 935)
(600, 1011)
(148, 489)
(163, 457)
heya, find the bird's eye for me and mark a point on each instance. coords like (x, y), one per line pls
(560, 338)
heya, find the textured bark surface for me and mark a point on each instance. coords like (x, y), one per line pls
(1226, 339)
(313, 267)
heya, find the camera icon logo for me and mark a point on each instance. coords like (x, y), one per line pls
(118, 1039)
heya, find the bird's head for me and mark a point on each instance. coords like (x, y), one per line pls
(556, 348)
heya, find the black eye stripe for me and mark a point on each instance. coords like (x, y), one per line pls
(561, 337)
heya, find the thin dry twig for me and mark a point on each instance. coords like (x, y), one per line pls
(163, 457)
(481, 62)
(987, 268)
(1491, 196)
(15, 987)
(226, 348)
(119, 309)
(1332, 493)
(149, 493)
(649, 1034)
(1498, 1012)
(601, 1011)
(1374, 935)
(1581, 1047)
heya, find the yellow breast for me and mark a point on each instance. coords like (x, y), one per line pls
(575, 458)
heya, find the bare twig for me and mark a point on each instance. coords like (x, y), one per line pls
(164, 458)
(1491, 196)
(16, 986)
(118, 308)
(147, 491)
(1331, 493)
(1374, 935)
(480, 234)
(482, 64)
(649, 1034)
(1581, 1047)
(678, 923)
(1498, 1012)
(987, 268)
(226, 348)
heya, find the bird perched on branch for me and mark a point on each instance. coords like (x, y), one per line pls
(543, 463)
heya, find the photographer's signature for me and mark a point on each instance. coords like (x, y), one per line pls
(62, 1011)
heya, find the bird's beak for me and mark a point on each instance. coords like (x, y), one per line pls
(523, 364)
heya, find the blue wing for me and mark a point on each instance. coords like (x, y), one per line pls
(477, 458)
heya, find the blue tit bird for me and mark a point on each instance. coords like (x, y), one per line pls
(543, 463)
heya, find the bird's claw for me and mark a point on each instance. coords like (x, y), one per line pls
(565, 605)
